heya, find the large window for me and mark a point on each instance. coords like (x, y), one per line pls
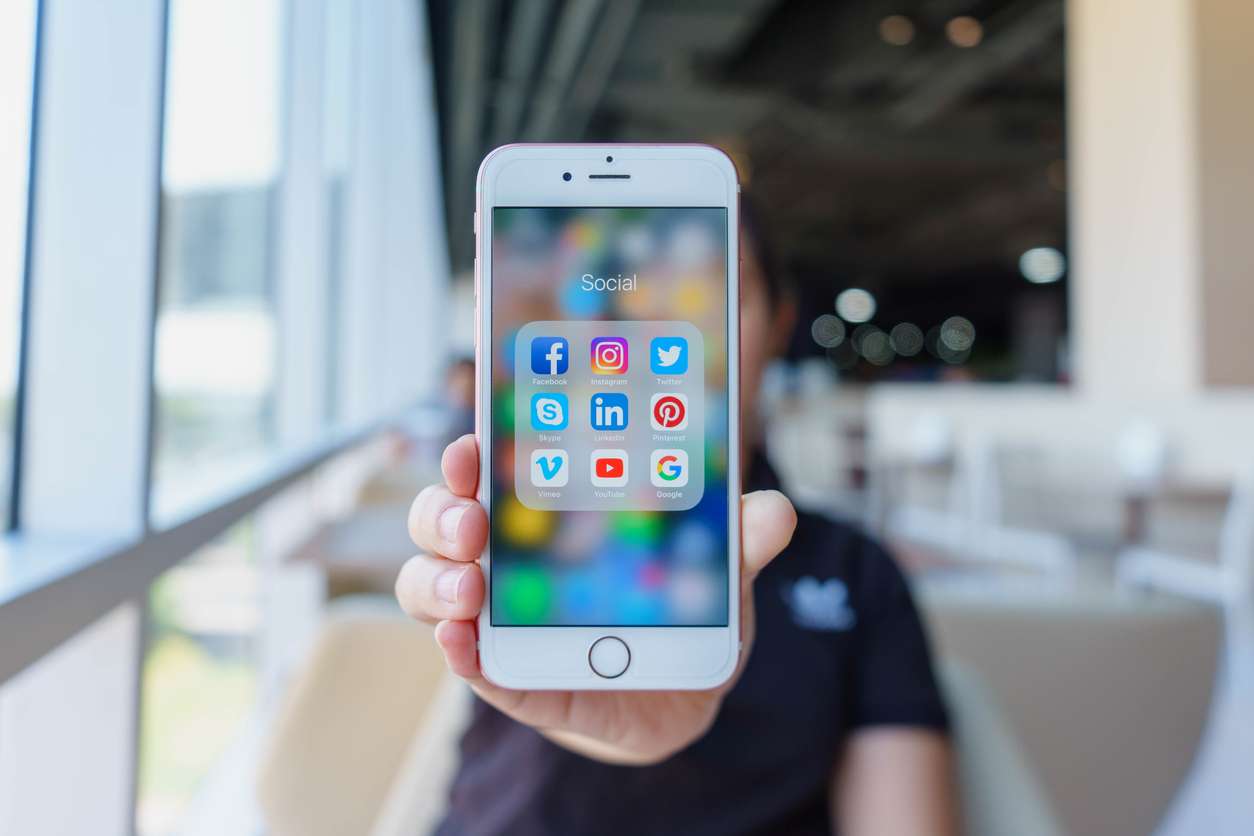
(200, 674)
(173, 151)
(17, 64)
(215, 339)
(337, 135)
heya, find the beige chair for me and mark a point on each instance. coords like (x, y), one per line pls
(348, 722)
(1108, 694)
(367, 743)
(1000, 790)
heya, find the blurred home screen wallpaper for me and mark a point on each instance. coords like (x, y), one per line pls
(609, 409)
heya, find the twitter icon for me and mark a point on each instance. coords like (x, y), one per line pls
(668, 355)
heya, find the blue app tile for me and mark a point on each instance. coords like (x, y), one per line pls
(668, 355)
(550, 412)
(550, 355)
(608, 412)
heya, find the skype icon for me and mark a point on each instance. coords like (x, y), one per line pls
(549, 412)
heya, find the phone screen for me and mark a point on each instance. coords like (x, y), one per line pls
(609, 410)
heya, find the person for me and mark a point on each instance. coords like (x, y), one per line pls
(459, 397)
(832, 723)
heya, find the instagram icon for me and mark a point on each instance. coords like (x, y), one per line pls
(609, 355)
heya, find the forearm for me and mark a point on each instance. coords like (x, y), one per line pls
(894, 781)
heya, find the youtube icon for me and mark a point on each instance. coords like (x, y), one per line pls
(609, 468)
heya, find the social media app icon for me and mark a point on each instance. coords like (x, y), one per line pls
(609, 355)
(668, 468)
(609, 468)
(669, 411)
(668, 355)
(550, 355)
(550, 468)
(549, 412)
(608, 412)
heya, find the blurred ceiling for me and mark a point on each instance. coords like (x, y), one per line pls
(891, 143)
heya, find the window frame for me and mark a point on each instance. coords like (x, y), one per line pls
(81, 554)
(11, 509)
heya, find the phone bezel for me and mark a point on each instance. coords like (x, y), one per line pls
(555, 657)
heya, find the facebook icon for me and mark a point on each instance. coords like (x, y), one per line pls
(549, 355)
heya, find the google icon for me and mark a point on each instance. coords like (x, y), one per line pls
(668, 468)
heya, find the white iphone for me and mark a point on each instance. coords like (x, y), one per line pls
(607, 347)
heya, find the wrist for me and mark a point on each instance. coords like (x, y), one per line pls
(605, 752)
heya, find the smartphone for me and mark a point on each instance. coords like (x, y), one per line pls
(607, 410)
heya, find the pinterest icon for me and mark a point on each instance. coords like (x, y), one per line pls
(669, 411)
(609, 355)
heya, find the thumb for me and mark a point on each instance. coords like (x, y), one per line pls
(767, 520)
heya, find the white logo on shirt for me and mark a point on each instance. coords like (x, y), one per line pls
(819, 605)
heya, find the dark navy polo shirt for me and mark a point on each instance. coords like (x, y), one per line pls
(839, 647)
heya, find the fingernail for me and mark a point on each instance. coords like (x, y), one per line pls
(450, 517)
(446, 584)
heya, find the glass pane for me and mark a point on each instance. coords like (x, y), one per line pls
(216, 342)
(200, 674)
(337, 100)
(17, 66)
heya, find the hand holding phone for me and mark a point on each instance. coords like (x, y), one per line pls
(445, 586)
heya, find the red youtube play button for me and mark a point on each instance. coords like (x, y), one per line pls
(610, 468)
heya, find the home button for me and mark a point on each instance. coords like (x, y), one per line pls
(609, 656)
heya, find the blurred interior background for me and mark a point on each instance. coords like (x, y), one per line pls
(236, 312)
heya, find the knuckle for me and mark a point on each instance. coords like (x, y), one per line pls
(419, 595)
(420, 513)
(405, 582)
(413, 587)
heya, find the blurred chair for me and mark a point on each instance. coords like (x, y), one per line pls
(1215, 800)
(1227, 580)
(1108, 695)
(418, 795)
(348, 721)
(1141, 454)
(925, 466)
(367, 742)
(1000, 791)
(971, 528)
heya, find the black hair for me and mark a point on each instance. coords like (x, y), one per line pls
(774, 271)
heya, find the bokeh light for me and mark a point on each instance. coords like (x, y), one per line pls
(906, 339)
(954, 358)
(860, 334)
(964, 31)
(877, 348)
(896, 30)
(828, 331)
(855, 305)
(931, 340)
(1042, 265)
(957, 334)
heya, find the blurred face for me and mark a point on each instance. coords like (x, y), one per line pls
(764, 330)
(460, 385)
